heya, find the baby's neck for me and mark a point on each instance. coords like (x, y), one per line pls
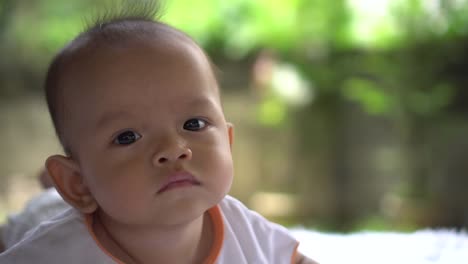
(188, 243)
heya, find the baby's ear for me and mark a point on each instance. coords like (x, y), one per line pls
(230, 128)
(68, 181)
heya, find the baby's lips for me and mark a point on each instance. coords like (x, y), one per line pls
(179, 178)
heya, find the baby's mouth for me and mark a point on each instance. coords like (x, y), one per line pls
(178, 180)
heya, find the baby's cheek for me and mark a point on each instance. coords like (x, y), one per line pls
(116, 189)
(121, 206)
(224, 171)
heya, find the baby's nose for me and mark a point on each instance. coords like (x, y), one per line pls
(173, 154)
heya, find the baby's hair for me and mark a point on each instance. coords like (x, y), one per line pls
(130, 20)
(148, 10)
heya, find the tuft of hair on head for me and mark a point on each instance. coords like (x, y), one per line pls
(124, 10)
(122, 16)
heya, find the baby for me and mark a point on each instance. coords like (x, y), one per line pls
(147, 164)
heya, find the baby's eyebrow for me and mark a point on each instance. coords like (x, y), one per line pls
(201, 102)
(120, 114)
(112, 116)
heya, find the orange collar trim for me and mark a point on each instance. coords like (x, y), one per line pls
(218, 229)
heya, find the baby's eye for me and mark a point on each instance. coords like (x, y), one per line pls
(194, 124)
(127, 137)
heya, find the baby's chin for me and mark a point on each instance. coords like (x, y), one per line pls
(188, 209)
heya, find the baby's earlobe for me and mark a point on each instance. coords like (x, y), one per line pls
(87, 204)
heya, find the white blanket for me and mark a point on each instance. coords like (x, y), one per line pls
(421, 247)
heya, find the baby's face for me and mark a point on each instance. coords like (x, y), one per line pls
(147, 129)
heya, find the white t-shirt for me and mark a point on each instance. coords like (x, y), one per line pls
(241, 236)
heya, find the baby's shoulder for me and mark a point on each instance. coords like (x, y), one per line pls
(250, 235)
(55, 228)
(61, 239)
(237, 215)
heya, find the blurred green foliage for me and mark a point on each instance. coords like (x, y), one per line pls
(306, 31)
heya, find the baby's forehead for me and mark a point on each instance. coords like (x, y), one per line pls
(120, 35)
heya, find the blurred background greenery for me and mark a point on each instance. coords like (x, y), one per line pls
(349, 114)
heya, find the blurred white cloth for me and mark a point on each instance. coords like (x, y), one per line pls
(420, 247)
